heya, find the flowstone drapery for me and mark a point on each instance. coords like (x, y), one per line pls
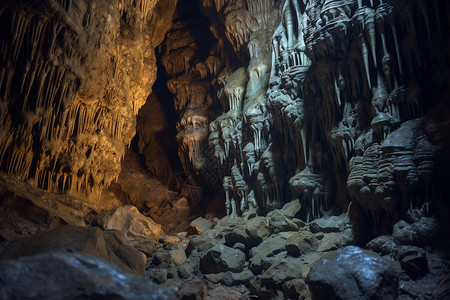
(321, 103)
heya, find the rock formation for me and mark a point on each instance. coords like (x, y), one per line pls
(319, 127)
(73, 76)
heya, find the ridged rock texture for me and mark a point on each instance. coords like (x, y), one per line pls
(73, 76)
(342, 105)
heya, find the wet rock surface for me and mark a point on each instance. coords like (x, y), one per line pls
(352, 273)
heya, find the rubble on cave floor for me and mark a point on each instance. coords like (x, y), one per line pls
(282, 257)
(277, 256)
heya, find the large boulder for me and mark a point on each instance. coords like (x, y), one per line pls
(109, 245)
(129, 220)
(352, 273)
(222, 258)
(72, 275)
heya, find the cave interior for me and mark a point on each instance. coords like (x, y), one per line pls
(224, 149)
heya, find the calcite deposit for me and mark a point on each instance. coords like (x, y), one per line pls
(293, 136)
(73, 77)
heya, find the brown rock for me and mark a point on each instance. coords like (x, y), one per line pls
(296, 289)
(199, 225)
(301, 243)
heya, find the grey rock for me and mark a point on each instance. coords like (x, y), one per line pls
(330, 224)
(383, 245)
(161, 276)
(279, 222)
(412, 259)
(72, 275)
(352, 273)
(233, 279)
(177, 256)
(281, 272)
(222, 258)
(240, 235)
(239, 246)
(269, 247)
(334, 240)
(185, 270)
(420, 233)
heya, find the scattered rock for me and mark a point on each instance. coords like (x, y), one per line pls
(185, 270)
(330, 224)
(199, 225)
(72, 275)
(290, 209)
(258, 227)
(222, 258)
(412, 259)
(161, 276)
(193, 290)
(129, 220)
(334, 240)
(240, 235)
(269, 247)
(352, 273)
(383, 245)
(300, 243)
(225, 294)
(420, 233)
(177, 256)
(296, 289)
(240, 247)
(281, 272)
(279, 223)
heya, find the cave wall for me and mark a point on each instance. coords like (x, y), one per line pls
(331, 102)
(334, 108)
(73, 76)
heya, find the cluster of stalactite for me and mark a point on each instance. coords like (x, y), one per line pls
(66, 112)
(347, 76)
(251, 175)
(340, 118)
(192, 59)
